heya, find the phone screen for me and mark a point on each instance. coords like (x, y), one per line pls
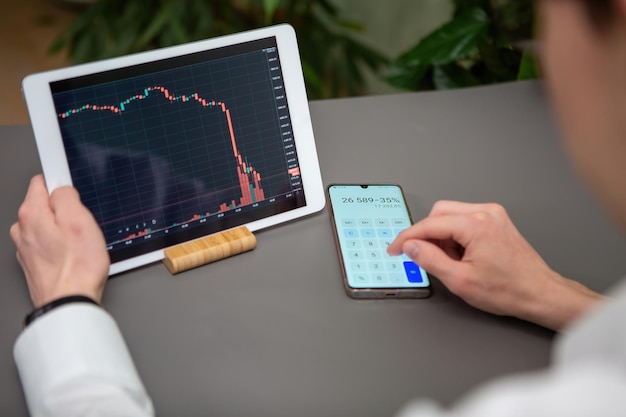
(366, 219)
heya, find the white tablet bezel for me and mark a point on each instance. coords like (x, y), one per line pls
(43, 116)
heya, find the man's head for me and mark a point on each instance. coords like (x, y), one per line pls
(584, 61)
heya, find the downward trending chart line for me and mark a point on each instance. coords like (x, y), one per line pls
(249, 178)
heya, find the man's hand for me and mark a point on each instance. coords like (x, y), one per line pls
(59, 245)
(477, 252)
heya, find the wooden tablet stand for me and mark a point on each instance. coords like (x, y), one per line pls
(209, 249)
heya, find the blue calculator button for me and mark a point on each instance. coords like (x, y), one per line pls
(413, 272)
(350, 233)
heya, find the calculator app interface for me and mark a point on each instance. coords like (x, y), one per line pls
(367, 220)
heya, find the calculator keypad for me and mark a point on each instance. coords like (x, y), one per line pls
(364, 242)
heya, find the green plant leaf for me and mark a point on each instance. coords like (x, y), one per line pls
(451, 42)
(407, 79)
(502, 62)
(451, 76)
(350, 25)
(311, 76)
(529, 67)
(462, 6)
(84, 50)
(156, 26)
(269, 8)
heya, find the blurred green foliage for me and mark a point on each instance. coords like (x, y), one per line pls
(483, 43)
(333, 60)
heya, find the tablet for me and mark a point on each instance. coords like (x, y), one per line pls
(178, 143)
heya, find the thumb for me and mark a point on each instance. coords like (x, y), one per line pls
(430, 257)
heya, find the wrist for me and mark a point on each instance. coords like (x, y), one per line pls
(42, 310)
(43, 295)
(561, 302)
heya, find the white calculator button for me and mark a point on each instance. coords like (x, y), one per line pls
(379, 278)
(393, 266)
(360, 279)
(375, 266)
(374, 254)
(399, 223)
(365, 223)
(385, 242)
(396, 278)
(348, 222)
(370, 243)
(353, 243)
(355, 255)
(381, 222)
(358, 266)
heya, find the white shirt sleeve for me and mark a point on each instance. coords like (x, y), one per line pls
(583, 390)
(73, 361)
(587, 377)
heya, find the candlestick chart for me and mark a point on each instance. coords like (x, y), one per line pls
(165, 152)
(249, 178)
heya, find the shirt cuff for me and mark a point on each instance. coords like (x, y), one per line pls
(72, 342)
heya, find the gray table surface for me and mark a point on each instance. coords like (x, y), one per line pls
(271, 332)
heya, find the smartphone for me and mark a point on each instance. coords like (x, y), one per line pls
(366, 218)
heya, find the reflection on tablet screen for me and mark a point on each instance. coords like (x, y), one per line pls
(170, 150)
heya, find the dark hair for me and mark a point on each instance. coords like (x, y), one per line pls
(600, 11)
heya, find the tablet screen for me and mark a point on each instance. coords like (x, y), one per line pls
(174, 149)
